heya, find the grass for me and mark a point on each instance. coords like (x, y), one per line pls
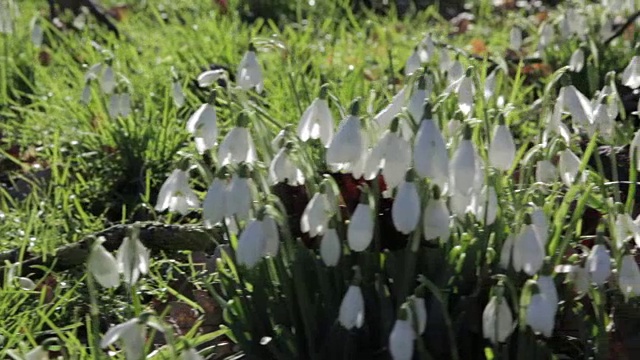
(86, 171)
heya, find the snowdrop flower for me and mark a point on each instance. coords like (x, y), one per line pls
(37, 35)
(455, 73)
(629, 277)
(506, 251)
(576, 63)
(190, 354)
(348, 145)
(490, 84)
(413, 63)
(203, 126)
(177, 93)
(540, 224)
(37, 353)
(603, 122)
(351, 314)
(418, 313)
(405, 211)
(384, 118)
(546, 36)
(626, 228)
(317, 121)
(360, 230)
(330, 245)
(430, 155)
(214, 206)
(554, 122)
(133, 258)
(420, 94)
(497, 320)
(23, 283)
(251, 244)
(237, 146)
(502, 149)
(85, 98)
(568, 166)
(543, 307)
(466, 91)
(485, 199)
(239, 194)
(579, 106)
(103, 266)
(528, 249)
(427, 49)
(444, 60)
(435, 218)
(176, 195)
(631, 74)
(93, 72)
(108, 80)
(6, 21)
(392, 154)
(249, 73)
(282, 169)
(316, 214)
(579, 278)
(210, 77)
(402, 336)
(546, 172)
(634, 148)
(464, 167)
(598, 262)
(515, 39)
(133, 335)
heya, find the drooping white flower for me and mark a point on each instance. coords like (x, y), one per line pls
(455, 73)
(625, 229)
(464, 167)
(405, 211)
(506, 251)
(543, 307)
(540, 224)
(402, 336)
(418, 313)
(240, 194)
(413, 62)
(579, 106)
(603, 122)
(502, 149)
(103, 266)
(444, 63)
(420, 94)
(435, 219)
(351, 314)
(629, 277)
(430, 155)
(330, 247)
(272, 236)
(631, 74)
(316, 214)
(176, 195)
(348, 145)
(546, 172)
(576, 63)
(283, 170)
(108, 80)
(634, 148)
(133, 335)
(237, 146)
(190, 354)
(124, 104)
(177, 93)
(554, 121)
(528, 250)
(466, 91)
(546, 35)
(37, 353)
(37, 35)
(568, 166)
(486, 199)
(599, 264)
(133, 259)
(85, 98)
(579, 278)
(392, 154)
(249, 73)
(497, 320)
(209, 77)
(317, 121)
(361, 225)
(490, 83)
(383, 119)
(251, 244)
(93, 72)
(214, 206)
(515, 38)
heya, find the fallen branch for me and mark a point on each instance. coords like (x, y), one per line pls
(622, 28)
(157, 237)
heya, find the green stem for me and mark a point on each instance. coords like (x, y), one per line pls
(94, 316)
(633, 175)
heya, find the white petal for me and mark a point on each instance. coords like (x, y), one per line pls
(435, 220)
(103, 267)
(405, 211)
(214, 204)
(251, 245)
(352, 308)
(502, 150)
(360, 231)
(330, 248)
(401, 340)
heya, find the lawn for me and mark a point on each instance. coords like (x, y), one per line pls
(315, 180)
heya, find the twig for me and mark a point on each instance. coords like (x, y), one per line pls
(155, 236)
(622, 28)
